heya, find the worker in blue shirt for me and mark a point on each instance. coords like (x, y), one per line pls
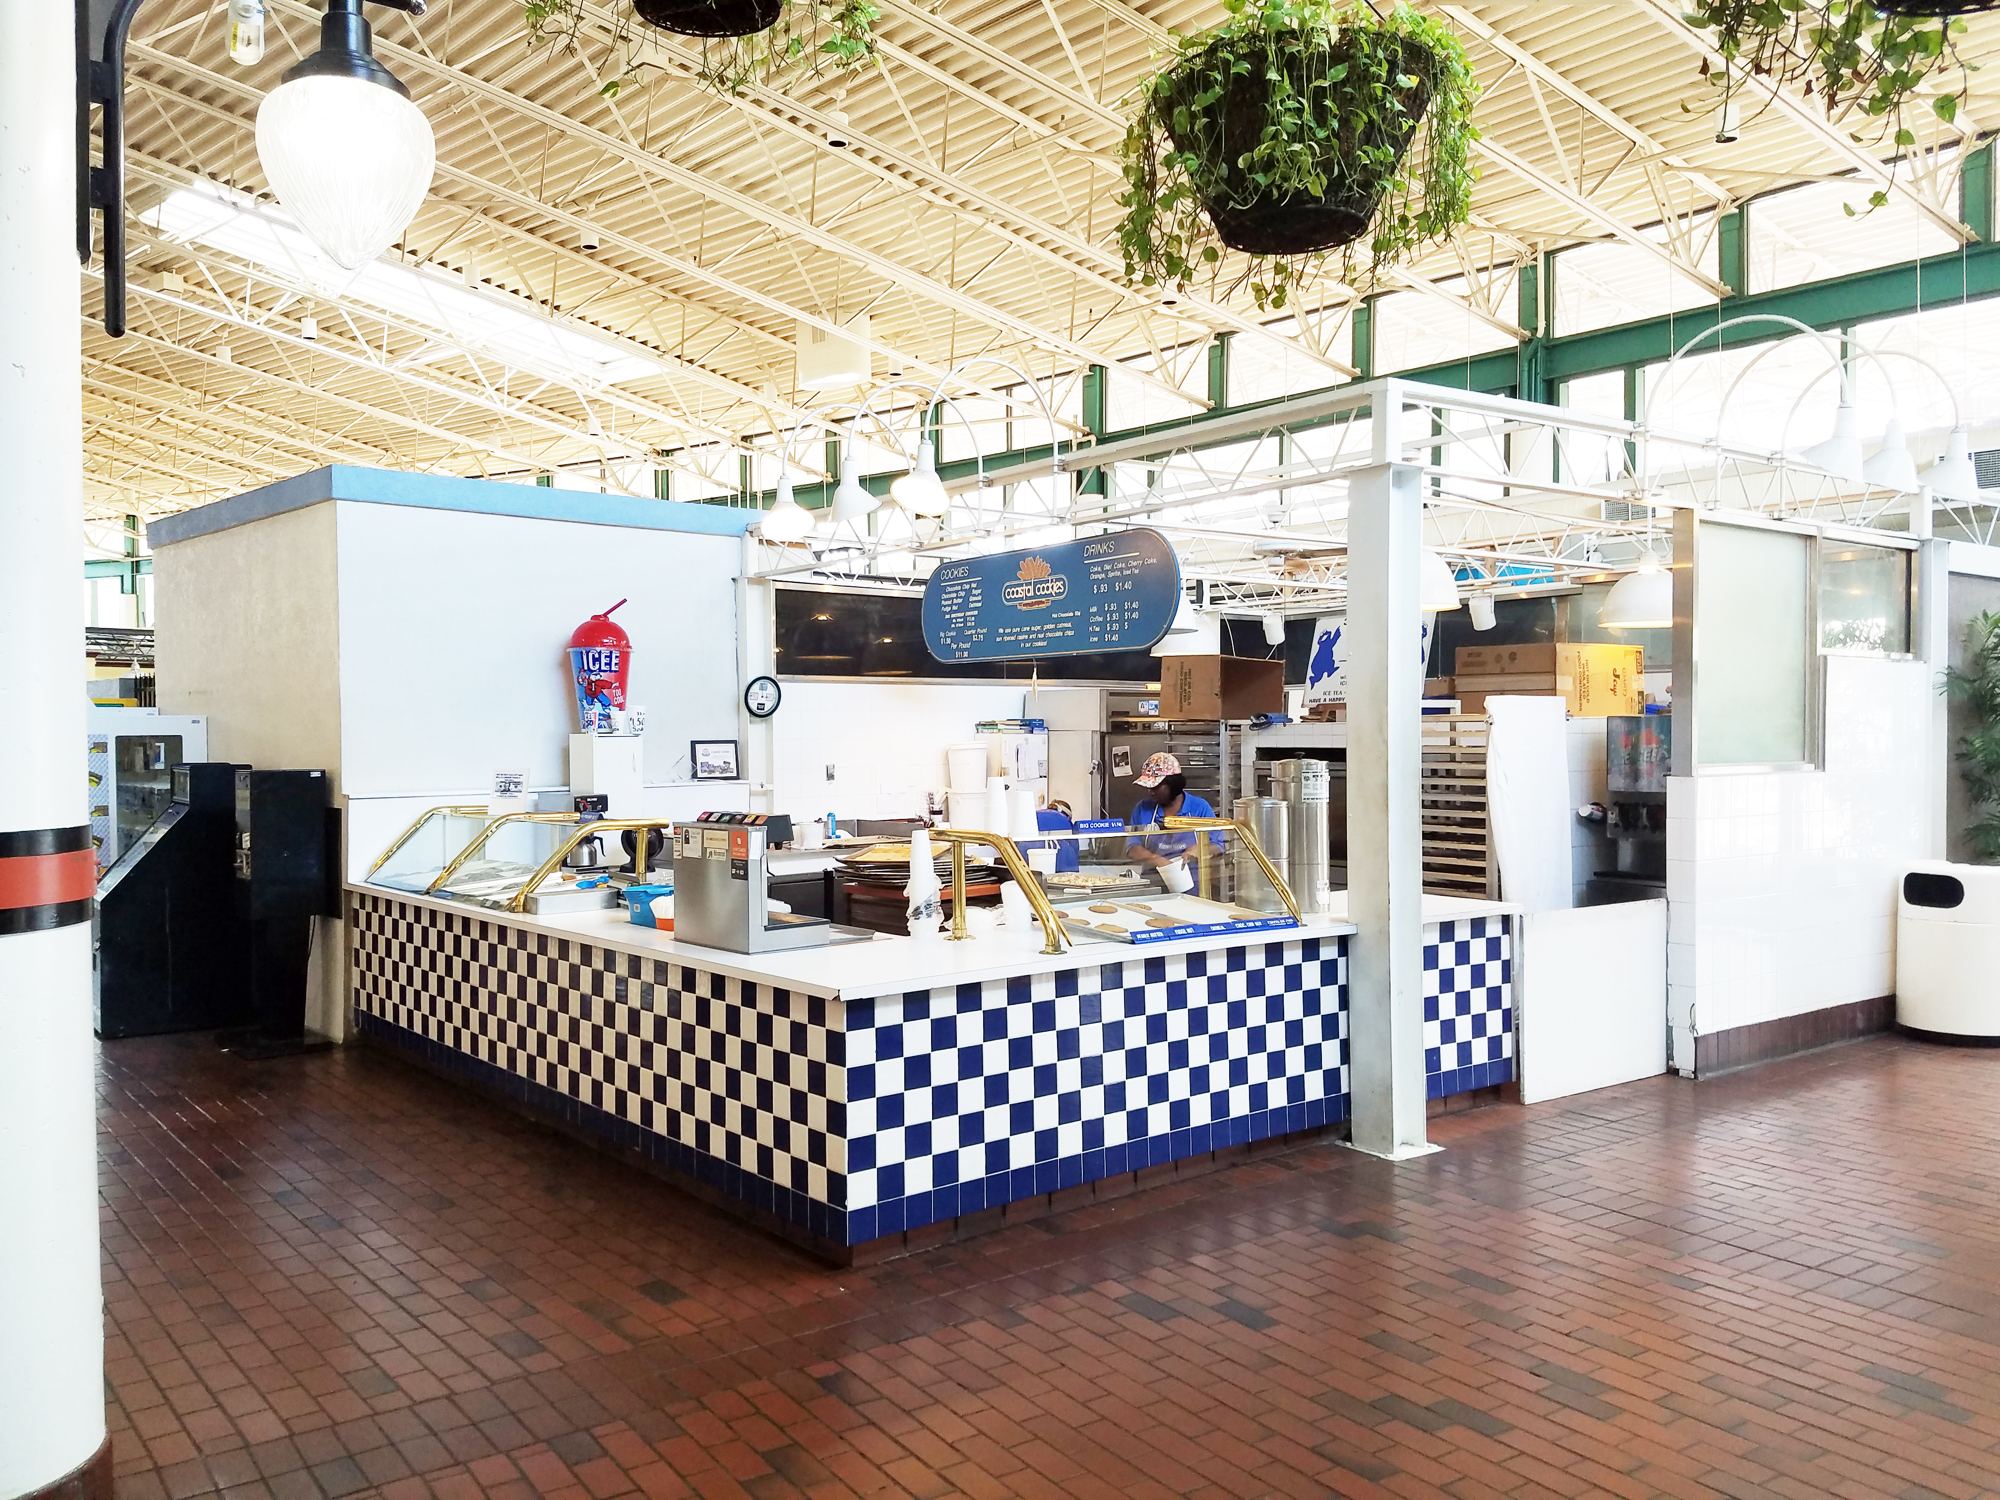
(1168, 798)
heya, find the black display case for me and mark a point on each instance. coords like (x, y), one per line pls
(172, 948)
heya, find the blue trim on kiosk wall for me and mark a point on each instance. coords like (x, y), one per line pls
(443, 492)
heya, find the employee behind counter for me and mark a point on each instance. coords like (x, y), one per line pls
(1169, 798)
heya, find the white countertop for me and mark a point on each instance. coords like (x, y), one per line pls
(856, 971)
(891, 965)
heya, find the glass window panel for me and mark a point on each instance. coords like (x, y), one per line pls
(1605, 284)
(1262, 369)
(1864, 598)
(1414, 330)
(1806, 234)
(1963, 340)
(1752, 654)
(1132, 402)
(1584, 457)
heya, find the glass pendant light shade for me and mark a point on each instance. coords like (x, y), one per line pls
(786, 520)
(1436, 584)
(1482, 610)
(347, 152)
(1893, 467)
(1274, 628)
(921, 491)
(1640, 601)
(1953, 476)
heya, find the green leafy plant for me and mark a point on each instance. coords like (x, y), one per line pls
(1977, 686)
(808, 36)
(1291, 129)
(1856, 57)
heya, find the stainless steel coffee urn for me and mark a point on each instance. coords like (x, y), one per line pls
(1269, 820)
(1303, 785)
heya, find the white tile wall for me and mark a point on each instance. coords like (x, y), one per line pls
(1782, 884)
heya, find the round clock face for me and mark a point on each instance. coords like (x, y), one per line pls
(762, 697)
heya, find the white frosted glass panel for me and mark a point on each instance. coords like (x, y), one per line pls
(1752, 652)
(1414, 330)
(1612, 282)
(1864, 598)
(1262, 369)
(1806, 234)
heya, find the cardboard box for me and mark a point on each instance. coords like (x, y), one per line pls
(1595, 681)
(1439, 687)
(1220, 687)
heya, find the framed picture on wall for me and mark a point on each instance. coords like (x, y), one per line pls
(714, 760)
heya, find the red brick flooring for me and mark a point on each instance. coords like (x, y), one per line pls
(337, 1276)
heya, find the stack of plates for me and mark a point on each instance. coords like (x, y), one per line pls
(888, 865)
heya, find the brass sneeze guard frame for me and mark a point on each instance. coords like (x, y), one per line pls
(1055, 939)
(582, 831)
(1203, 853)
(411, 832)
(452, 866)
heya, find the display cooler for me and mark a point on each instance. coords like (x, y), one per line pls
(130, 757)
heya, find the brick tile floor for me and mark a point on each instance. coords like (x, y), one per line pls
(336, 1276)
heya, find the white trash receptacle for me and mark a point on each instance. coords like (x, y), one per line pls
(1948, 952)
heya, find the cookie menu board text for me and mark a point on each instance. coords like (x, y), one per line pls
(1117, 592)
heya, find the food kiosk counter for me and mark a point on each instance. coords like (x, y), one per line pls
(881, 1095)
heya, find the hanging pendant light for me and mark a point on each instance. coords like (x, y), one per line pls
(1437, 585)
(1953, 476)
(1893, 468)
(921, 491)
(347, 152)
(851, 499)
(786, 520)
(1481, 609)
(1640, 601)
(1839, 455)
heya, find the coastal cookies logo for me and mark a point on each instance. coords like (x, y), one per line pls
(1037, 585)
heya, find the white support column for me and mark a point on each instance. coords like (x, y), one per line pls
(51, 1307)
(1385, 878)
(756, 656)
(1931, 626)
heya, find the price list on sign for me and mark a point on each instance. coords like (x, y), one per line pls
(1106, 593)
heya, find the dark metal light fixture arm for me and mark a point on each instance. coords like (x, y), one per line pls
(102, 27)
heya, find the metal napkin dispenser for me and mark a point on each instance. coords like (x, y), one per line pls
(721, 889)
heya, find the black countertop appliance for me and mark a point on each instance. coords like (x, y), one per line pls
(172, 949)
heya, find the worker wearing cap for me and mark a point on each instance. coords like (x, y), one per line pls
(1168, 798)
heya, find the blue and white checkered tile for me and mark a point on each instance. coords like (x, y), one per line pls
(735, 1083)
(961, 1099)
(1468, 1005)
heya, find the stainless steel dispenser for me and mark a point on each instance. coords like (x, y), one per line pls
(1269, 821)
(1303, 785)
(721, 889)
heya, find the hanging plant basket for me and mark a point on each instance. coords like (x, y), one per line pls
(1361, 151)
(710, 18)
(1293, 129)
(1865, 62)
(1935, 7)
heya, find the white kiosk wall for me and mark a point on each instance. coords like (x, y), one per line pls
(407, 633)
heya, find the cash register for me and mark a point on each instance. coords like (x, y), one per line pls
(722, 889)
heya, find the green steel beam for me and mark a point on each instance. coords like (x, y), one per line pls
(1975, 192)
(1859, 298)
(1218, 370)
(1364, 339)
(1730, 269)
(1534, 368)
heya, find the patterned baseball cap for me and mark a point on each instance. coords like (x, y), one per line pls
(1157, 769)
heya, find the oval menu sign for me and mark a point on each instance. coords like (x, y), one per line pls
(1105, 593)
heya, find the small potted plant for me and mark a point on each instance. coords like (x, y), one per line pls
(1295, 128)
(1873, 55)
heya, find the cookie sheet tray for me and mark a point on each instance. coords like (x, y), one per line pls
(1162, 918)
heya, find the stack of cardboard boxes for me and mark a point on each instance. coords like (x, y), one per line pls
(1595, 681)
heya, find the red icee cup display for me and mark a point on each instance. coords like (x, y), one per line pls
(600, 665)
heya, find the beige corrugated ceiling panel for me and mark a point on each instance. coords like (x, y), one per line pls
(976, 214)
